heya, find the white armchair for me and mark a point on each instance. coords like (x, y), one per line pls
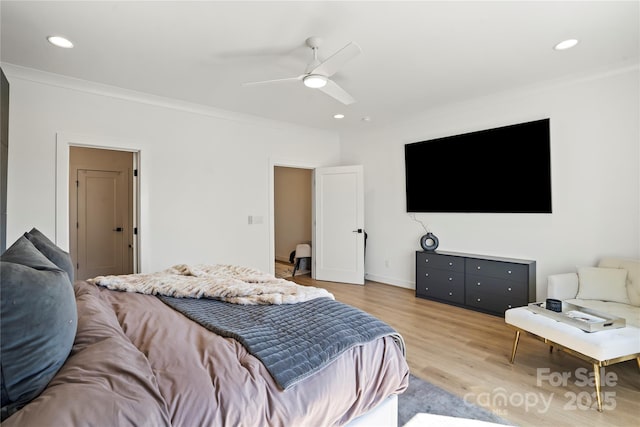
(613, 287)
(303, 252)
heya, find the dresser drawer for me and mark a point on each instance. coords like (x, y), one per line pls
(485, 285)
(498, 269)
(443, 262)
(493, 303)
(450, 291)
(435, 276)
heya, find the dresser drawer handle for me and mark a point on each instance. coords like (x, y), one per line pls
(478, 300)
(426, 260)
(450, 279)
(478, 284)
(509, 289)
(426, 289)
(478, 267)
(509, 271)
(450, 263)
(426, 274)
(509, 306)
(450, 293)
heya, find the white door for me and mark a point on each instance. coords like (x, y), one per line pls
(338, 241)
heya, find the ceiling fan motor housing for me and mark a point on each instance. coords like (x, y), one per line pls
(313, 42)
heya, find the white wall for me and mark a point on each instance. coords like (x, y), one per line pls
(595, 141)
(203, 171)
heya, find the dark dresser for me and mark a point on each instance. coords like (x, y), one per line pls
(483, 283)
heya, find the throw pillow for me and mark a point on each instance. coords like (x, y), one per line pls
(38, 320)
(604, 284)
(56, 255)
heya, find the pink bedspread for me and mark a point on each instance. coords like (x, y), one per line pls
(136, 361)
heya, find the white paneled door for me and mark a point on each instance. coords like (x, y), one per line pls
(339, 224)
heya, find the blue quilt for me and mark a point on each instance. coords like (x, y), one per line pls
(293, 341)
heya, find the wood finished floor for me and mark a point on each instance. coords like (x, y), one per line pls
(467, 353)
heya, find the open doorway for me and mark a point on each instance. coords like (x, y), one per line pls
(101, 211)
(292, 189)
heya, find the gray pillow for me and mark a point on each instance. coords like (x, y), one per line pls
(56, 255)
(38, 320)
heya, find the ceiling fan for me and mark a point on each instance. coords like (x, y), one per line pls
(317, 74)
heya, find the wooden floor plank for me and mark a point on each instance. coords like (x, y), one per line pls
(467, 353)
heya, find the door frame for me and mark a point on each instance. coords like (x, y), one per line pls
(63, 142)
(287, 163)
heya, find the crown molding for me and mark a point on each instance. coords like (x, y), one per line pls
(33, 75)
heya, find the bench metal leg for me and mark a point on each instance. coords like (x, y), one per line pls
(515, 346)
(597, 364)
(596, 376)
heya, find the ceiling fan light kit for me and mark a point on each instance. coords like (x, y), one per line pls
(317, 73)
(315, 81)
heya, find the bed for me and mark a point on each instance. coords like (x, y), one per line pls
(142, 359)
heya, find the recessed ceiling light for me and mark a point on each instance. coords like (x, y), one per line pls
(566, 44)
(338, 116)
(60, 42)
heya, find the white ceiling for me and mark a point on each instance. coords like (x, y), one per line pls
(415, 55)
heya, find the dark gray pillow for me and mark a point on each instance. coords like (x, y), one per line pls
(38, 320)
(56, 255)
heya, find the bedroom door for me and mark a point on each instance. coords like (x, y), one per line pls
(101, 211)
(339, 224)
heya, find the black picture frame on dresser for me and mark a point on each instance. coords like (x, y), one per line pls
(483, 283)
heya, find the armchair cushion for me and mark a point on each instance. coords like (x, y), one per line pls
(633, 275)
(604, 284)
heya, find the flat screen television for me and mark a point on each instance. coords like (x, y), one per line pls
(500, 170)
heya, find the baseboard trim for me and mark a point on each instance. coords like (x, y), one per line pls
(390, 281)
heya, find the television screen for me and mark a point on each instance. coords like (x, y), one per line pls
(501, 170)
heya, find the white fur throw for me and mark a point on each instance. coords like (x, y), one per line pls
(230, 283)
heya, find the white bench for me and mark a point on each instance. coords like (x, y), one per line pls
(602, 348)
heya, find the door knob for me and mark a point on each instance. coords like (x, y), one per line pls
(118, 229)
(359, 230)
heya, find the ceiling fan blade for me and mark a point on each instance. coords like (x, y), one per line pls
(290, 79)
(335, 91)
(333, 63)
